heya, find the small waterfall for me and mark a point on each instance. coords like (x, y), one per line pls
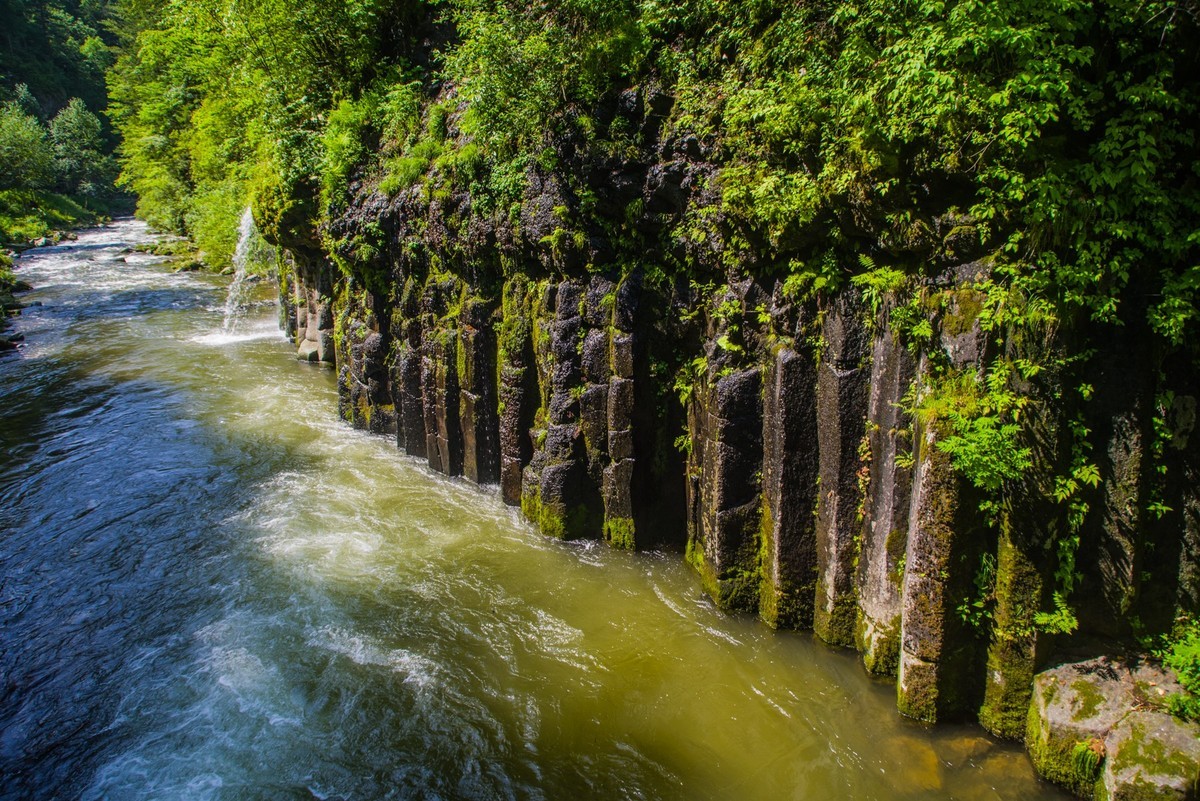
(251, 250)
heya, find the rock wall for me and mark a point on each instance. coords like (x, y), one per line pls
(777, 437)
(773, 441)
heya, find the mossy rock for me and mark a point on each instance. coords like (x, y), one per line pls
(1092, 728)
(1073, 704)
(1151, 755)
(620, 532)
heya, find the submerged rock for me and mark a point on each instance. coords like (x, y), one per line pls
(309, 351)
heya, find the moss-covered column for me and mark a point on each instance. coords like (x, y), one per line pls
(938, 672)
(439, 377)
(558, 494)
(789, 546)
(519, 395)
(1012, 651)
(886, 505)
(724, 486)
(842, 393)
(411, 436)
(288, 299)
(1031, 522)
(364, 386)
(478, 392)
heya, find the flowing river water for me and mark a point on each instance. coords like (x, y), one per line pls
(212, 588)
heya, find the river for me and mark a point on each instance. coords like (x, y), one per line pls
(212, 588)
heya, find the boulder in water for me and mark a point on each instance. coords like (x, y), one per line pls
(309, 351)
(1094, 727)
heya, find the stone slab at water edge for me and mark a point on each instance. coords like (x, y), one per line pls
(1100, 728)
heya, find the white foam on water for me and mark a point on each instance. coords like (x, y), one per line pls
(260, 333)
(365, 650)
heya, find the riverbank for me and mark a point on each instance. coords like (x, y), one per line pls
(10, 285)
(31, 217)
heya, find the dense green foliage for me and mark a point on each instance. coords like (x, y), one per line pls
(1056, 138)
(58, 49)
(211, 102)
(56, 163)
(1181, 653)
(1049, 145)
(25, 150)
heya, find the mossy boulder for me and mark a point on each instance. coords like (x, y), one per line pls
(1094, 728)
(1151, 755)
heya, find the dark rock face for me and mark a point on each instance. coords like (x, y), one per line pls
(1121, 419)
(843, 383)
(790, 479)
(724, 488)
(886, 505)
(307, 314)
(477, 394)
(937, 650)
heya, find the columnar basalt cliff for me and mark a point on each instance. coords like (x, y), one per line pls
(779, 439)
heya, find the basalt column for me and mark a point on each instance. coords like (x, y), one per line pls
(789, 472)
(364, 381)
(519, 394)
(1111, 542)
(558, 492)
(1029, 521)
(842, 395)
(312, 302)
(477, 392)
(886, 505)
(440, 379)
(937, 675)
(724, 486)
(406, 371)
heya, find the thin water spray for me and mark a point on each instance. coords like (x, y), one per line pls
(251, 251)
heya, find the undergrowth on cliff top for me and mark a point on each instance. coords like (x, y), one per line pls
(1058, 138)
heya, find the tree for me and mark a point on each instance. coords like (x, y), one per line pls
(26, 156)
(80, 163)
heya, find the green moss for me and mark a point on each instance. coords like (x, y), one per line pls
(769, 591)
(896, 546)
(732, 589)
(1148, 756)
(547, 520)
(1010, 680)
(694, 556)
(881, 652)
(1090, 699)
(835, 626)
(1055, 759)
(967, 305)
(574, 522)
(620, 532)
(917, 694)
(1011, 653)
